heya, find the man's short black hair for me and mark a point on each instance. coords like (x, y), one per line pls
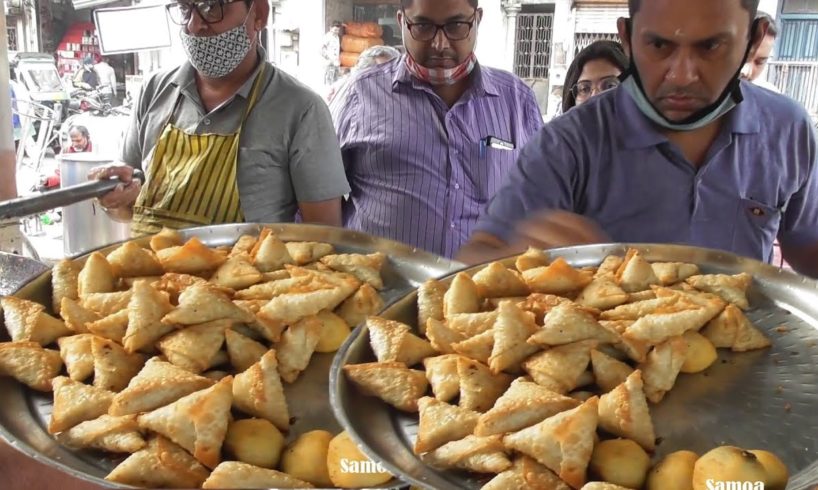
(337, 23)
(750, 5)
(772, 30)
(405, 4)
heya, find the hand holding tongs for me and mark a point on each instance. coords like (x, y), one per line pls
(22, 207)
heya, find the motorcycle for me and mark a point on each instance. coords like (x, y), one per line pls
(88, 101)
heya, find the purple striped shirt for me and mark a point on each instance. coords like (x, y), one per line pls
(420, 172)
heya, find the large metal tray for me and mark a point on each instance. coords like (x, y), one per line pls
(24, 414)
(758, 400)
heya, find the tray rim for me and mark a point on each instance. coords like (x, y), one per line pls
(758, 269)
(404, 251)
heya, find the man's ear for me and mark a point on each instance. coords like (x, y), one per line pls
(479, 16)
(624, 25)
(262, 8)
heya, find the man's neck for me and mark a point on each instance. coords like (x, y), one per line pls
(696, 144)
(214, 91)
(452, 93)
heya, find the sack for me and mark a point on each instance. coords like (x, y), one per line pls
(363, 29)
(348, 60)
(353, 44)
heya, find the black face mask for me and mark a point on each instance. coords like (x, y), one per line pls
(701, 117)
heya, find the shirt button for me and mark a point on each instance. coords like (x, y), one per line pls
(456, 186)
(757, 212)
(206, 122)
(451, 226)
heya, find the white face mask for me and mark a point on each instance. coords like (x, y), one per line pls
(219, 55)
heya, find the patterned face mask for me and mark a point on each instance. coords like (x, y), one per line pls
(441, 76)
(217, 56)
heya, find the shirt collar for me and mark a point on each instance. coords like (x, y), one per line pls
(482, 81)
(185, 79)
(636, 130)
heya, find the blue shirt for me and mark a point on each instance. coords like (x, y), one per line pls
(421, 172)
(608, 162)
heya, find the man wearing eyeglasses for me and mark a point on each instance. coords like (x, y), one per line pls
(681, 152)
(226, 137)
(428, 138)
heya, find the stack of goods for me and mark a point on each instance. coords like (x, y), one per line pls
(79, 41)
(358, 37)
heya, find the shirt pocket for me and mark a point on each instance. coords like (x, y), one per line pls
(492, 169)
(265, 187)
(756, 226)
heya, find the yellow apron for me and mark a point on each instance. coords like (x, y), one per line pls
(192, 178)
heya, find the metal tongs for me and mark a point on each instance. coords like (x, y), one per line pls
(22, 207)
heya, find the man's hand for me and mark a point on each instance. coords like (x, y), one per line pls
(550, 229)
(554, 229)
(119, 202)
(803, 259)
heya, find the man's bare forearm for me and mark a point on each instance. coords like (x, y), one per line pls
(484, 247)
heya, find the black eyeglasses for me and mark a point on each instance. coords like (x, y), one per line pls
(586, 88)
(210, 11)
(457, 30)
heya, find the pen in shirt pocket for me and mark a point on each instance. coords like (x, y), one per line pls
(496, 143)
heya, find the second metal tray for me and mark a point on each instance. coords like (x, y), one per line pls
(765, 399)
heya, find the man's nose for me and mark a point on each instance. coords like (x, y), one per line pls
(195, 25)
(683, 70)
(440, 41)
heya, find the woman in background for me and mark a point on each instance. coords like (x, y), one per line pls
(594, 70)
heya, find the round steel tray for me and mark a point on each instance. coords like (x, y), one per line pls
(24, 414)
(764, 399)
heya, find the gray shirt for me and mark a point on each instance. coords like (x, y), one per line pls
(288, 150)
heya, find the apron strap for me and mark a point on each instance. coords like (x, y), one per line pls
(254, 93)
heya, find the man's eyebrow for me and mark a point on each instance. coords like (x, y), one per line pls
(454, 18)
(652, 36)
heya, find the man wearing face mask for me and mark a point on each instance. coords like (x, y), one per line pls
(428, 138)
(681, 152)
(226, 137)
